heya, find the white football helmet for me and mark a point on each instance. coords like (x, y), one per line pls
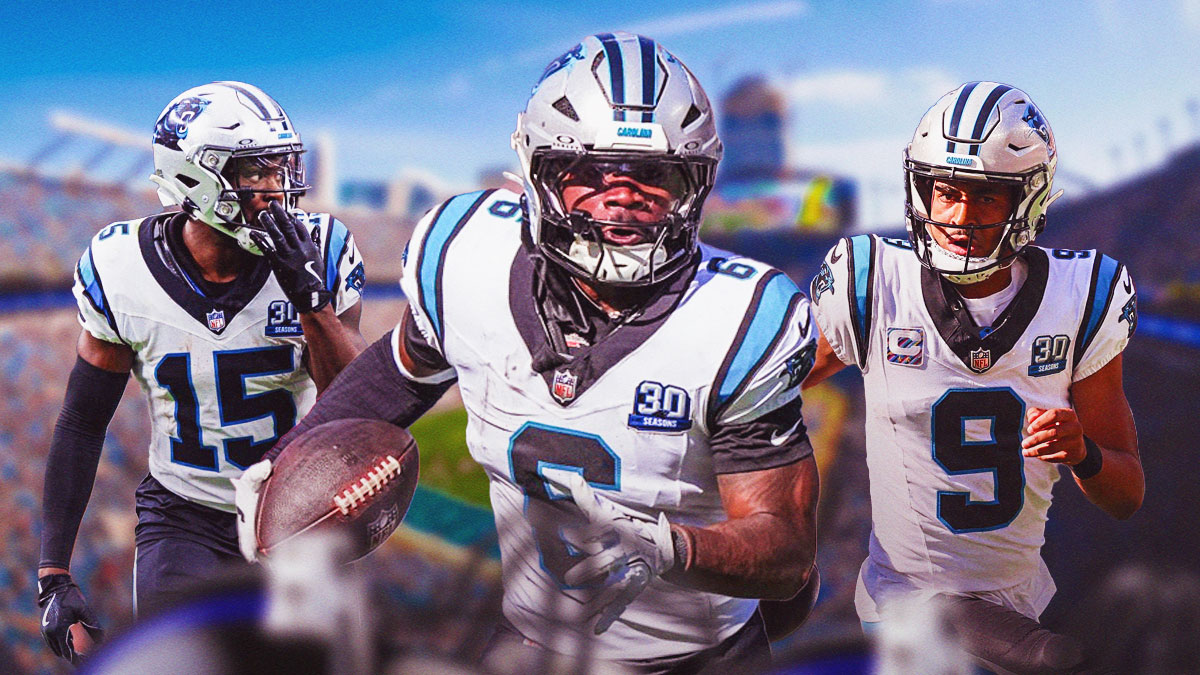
(203, 138)
(983, 131)
(618, 104)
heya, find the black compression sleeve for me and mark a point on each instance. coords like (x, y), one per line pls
(370, 387)
(775, 439)
(88, 406)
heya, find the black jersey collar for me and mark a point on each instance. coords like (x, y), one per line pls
(166, 266)
(569, 377)
(958, 329)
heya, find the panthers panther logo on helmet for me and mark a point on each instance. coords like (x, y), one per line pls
(1033, 117)
(173, 125)
(573, 54)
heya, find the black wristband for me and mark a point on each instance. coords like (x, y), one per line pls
(51, 584)
(682, 544)
(1092, 462)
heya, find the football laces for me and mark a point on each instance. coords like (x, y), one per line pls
(366, 487)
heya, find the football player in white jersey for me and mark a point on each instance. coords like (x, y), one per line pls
(231, 313)
(632, 394)
(988, 363)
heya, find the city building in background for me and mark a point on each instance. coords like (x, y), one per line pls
(755, 186)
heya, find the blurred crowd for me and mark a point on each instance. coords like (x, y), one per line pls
(46, 222)
(36, 351)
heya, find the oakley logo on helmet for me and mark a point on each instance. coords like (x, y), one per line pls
(173, 125)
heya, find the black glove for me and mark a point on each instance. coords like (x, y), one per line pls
(62, 605)
(293, 257)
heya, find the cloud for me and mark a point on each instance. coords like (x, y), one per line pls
(1189, 13)
(845, 87)
(722, 18)
(848, 87)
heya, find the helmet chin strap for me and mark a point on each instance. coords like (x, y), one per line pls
(616, 263)
(943, 260)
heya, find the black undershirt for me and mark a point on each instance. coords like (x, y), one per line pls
(187, 264)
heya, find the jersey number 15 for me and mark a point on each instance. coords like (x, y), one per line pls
(174, 373)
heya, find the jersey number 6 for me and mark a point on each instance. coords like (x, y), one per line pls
(536, 450)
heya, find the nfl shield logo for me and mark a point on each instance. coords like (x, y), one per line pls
(981, 360)
(564, 385)
(216, 320)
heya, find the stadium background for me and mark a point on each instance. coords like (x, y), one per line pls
(78, 171)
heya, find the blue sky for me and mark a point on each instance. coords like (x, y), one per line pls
(437, 86)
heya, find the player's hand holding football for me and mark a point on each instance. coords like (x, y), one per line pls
(294, 258)
(63, 605)
(245, 497)
(1054, 436)
(624, 549)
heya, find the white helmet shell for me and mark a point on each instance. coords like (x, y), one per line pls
(625, 98)
(981, 131)
(197, 135)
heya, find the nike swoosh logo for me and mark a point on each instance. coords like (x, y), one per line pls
(837, 255)
(45, 615)
(778, 439)
(309, 266)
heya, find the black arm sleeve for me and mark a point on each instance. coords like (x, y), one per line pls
(88, 406)
(420, 351)
(775, 439)
(370, 387)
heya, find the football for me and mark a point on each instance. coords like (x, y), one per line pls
(354, 475)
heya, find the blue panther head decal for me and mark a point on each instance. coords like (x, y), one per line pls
(574, 54)
(1033, 117)
(173, 125)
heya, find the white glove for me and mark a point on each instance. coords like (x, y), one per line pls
(245, 497)
(625, 550)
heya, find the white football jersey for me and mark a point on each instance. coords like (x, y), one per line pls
(632, 414)
(224, 378)
(955, 505)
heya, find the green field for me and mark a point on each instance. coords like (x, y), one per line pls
(446, 466)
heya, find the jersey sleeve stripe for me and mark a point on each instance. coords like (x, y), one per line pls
(335, 248)
(862, 282)
(1104, 282)
(445, 226)
(761, 329)
(93, 289)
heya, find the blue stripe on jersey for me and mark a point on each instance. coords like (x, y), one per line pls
(94, 290)
(861, 256)
(1106, 280)
(338, 237)
(649, 74)
(770, 316)
(616, 71)
(91, 283)
(433, 251)
(956, 117)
